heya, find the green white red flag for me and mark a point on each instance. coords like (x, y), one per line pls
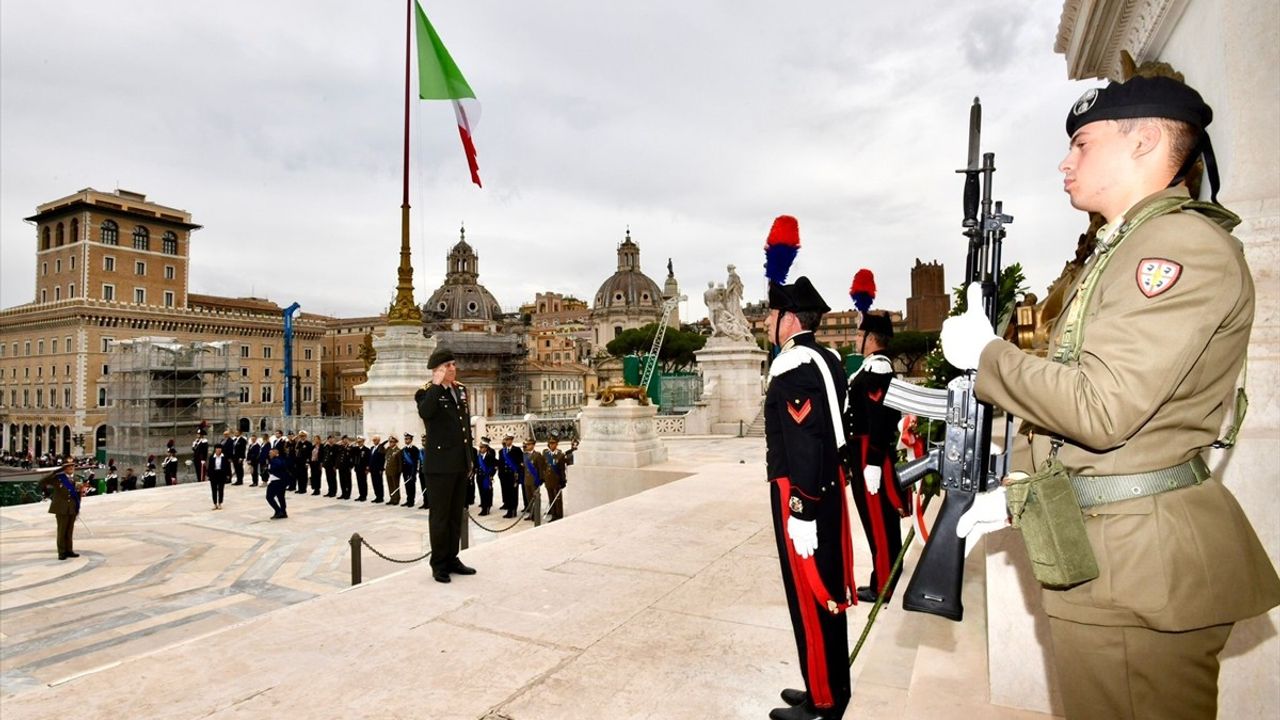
(440, 79)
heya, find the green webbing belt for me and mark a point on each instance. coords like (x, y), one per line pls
(1072, 338)
(1101, 489)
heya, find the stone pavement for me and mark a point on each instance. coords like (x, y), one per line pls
(666, 603)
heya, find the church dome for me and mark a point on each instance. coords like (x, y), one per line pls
(462, 297)
(628, 287)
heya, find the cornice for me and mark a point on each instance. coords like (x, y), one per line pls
(1092, 33)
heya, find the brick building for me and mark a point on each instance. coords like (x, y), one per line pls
(115, 266)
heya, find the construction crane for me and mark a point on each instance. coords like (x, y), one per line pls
(668, 307)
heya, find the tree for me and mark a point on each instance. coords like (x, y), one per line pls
(910, 346)
(938, 371)
(675, 354)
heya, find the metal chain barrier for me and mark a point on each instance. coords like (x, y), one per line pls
(518, 519)
(374, 550)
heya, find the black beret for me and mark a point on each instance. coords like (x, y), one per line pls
(878, 323)
(799, 296)
(1140, 97)
(441, 356)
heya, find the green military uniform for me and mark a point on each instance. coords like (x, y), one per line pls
(1142, 365)
(65, 505)
(1162, 348)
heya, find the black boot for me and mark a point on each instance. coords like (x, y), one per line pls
(792, 696)
(797, 712)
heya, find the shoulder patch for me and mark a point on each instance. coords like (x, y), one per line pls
(1156, 275)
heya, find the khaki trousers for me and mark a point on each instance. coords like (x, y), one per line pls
(1135, 673)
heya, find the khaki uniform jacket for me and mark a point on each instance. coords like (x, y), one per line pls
(60, 500)
(1151, 389)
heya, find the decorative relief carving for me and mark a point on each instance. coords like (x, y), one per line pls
(1094, 40)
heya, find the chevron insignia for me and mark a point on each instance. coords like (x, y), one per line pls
(799, 411)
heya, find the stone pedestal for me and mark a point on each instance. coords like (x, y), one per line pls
(622, 436)
(731, 383)
(401, 368)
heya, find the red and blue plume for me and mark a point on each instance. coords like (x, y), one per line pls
(780, 248)
(863, 290)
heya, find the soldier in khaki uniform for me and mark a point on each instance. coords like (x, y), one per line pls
(1161, 329)
(64, 504)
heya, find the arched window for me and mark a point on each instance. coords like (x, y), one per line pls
(141, 238)
(75, 230)
(110, 233)
(44, 239)
(170, 247)
(59, 237)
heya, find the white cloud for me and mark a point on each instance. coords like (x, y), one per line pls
(278, 126)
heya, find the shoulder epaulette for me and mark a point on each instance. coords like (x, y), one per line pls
(788, 361)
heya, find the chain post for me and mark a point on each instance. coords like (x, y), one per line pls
(355, 559)
(466, 531)
(537, 506)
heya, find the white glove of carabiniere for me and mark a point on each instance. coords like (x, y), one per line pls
(988, 514)
(966, 335)
(871, 476)
(804, 536)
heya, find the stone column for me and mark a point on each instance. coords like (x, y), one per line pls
(398, 372)
(731, 387)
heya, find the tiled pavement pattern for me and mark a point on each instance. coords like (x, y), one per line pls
(664, 604)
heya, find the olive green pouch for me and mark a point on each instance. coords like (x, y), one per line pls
(1043, 507)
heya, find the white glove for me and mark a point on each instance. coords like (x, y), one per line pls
(988, 513)
(871, 476)
(804, 536)
(965, 335)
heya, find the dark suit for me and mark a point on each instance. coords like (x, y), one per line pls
(219, 472)
(239, 447)
(486, 464)
(254, 455)
(510, 476)
(65, 504)
(448, 456)
(377, 463)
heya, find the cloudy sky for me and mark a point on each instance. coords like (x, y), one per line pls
(279, 127)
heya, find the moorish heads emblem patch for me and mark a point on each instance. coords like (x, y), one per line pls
(1156, 275)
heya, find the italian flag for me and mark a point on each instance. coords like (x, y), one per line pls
(440, 79)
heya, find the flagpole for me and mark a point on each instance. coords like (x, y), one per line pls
(403, 310)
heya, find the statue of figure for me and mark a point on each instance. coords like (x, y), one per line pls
(731, 322)
(714, 298)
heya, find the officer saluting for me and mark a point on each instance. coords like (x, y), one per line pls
(804, 434)
(444, 410)
(65, 504)
(1141, 368)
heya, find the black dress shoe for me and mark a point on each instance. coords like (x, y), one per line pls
(797, 712)
(62, 556)
(361, 499)
(315, 492)
(332, 495)
(441, 576)
(73, 554)
(456, 567)
(868, 595)
(408, 505)
(379, 500)
(484, 511)
(509, 514)
(792, 696)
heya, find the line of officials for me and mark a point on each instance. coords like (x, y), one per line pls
(388, 466)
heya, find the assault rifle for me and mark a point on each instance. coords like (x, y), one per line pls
(964, 459)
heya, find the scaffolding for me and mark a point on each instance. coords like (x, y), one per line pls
(160, 389)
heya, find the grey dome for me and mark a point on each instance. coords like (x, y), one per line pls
(628, 287)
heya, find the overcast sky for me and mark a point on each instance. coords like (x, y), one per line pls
(278, 125)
